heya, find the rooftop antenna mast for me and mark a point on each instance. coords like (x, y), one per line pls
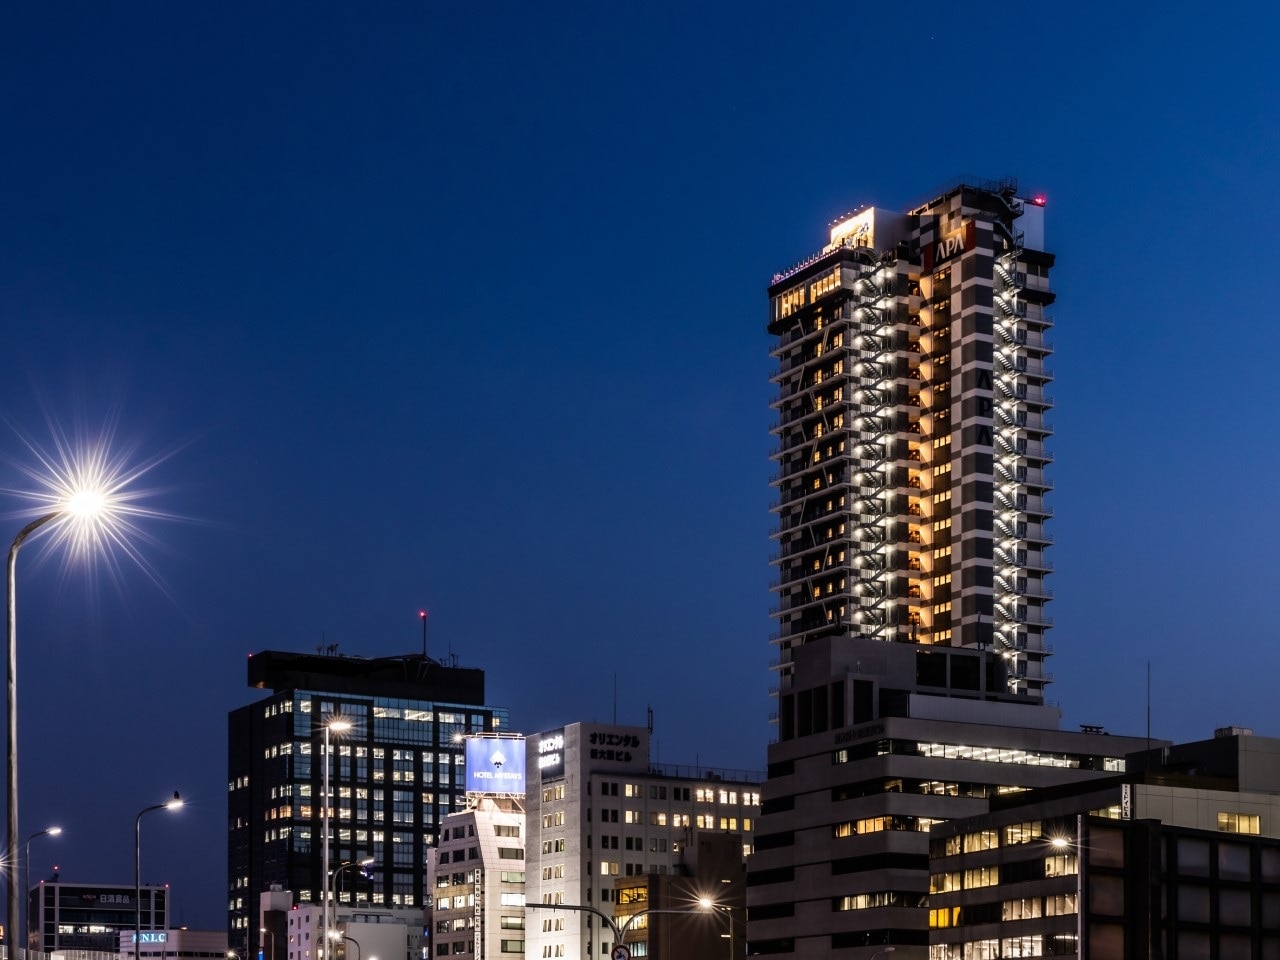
(422, 615)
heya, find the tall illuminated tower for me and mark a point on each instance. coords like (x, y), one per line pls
(910, 589)
(911, 398)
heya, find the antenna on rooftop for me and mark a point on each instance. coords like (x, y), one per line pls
(422, 614)
(1148, 704)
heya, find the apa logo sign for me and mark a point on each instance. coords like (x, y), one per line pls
(952, 245)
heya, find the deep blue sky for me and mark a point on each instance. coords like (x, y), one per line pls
(463, 307)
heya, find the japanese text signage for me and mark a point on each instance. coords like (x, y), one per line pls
(551, 755)
(612, 746)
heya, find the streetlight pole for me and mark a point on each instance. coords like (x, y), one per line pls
(337, 935)
(26, 884)
(706, 903)
(336, 726)
(263, 931)
(346, 865)
(11, 700)
(173, 804)
(341, 935)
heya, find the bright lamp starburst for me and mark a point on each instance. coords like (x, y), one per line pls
(89, 496)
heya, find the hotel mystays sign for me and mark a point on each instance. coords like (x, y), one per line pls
(495, 765)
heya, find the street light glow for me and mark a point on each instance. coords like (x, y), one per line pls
(89, 489)
(86, 503)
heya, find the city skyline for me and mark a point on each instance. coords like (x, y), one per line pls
(272, 241)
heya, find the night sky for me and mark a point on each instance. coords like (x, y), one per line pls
(463, 307)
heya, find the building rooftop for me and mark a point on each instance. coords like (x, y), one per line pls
(410, 676)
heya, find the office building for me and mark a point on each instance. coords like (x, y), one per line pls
(76, 919)
(881, 741)
(1177, 858)
(598, 810)
(910, 592)
(394, 776)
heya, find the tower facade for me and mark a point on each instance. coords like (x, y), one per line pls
(911, 431)
(394, 775)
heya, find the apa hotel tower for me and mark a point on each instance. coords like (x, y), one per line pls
(910, 390)
(911, 399)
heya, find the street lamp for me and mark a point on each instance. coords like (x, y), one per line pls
(173, 804)
(80, 502)
(85, 499)
(337, 935)
(347, 864)
(263, 931)
(332, 725)
(619, 932)
(26, 885)
(706, 903)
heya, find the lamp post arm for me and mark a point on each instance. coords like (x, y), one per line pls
(617, 934)
(11, 746)
(646, 912)
(137, 875)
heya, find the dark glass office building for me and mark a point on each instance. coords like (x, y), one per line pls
(394, 776)
(75, 917)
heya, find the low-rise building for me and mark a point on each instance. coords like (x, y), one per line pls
(176, 944)
(80, 919)
(477, 877)
(357, 933)
(1177, 858)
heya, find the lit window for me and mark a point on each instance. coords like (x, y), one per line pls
(1240, 823)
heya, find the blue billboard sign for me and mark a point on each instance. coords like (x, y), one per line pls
(495, 765)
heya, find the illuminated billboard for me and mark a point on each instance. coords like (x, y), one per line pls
(495, 765)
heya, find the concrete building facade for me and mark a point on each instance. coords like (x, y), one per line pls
(477, 882)
(357, 933)
(598, 812)
(880, 746)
